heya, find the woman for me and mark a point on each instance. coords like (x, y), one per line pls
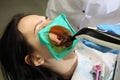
(14, 47)
(25, 58)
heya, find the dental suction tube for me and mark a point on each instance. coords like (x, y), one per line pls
(99, 37)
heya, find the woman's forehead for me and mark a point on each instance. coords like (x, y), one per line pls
(31, 18)
(29, 21)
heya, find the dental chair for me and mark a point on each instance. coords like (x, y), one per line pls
(116, 75)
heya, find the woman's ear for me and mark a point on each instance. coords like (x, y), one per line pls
(35, 60)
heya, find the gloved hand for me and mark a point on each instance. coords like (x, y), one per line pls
(115, 29)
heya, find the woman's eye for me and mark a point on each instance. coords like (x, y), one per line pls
(46, 17)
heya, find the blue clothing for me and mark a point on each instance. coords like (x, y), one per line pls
(115, 29)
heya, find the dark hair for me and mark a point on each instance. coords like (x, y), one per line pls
(14, 48)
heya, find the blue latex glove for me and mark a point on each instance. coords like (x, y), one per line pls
(108, 28)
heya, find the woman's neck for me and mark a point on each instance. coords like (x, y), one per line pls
(71, 65)
(68, 75)
(66, 66)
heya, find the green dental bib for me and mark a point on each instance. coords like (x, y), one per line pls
(56, 52)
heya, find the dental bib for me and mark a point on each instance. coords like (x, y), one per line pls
(57, 52)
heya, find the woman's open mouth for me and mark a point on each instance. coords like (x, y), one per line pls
(59, 36)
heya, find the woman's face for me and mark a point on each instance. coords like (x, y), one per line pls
(29, 27)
